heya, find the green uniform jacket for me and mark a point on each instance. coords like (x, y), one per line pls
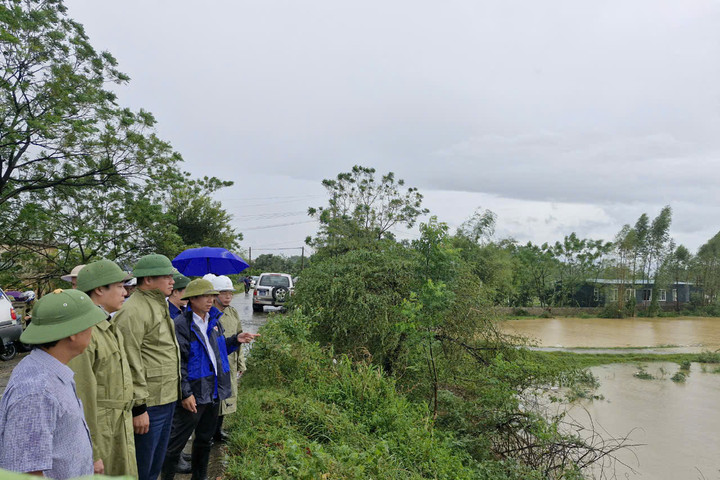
(232, 325)
(104, 384)
(151, 346)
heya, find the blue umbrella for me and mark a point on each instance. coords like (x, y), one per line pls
(196, 262)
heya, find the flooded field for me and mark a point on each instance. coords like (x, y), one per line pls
(676, 423)
(687, 334)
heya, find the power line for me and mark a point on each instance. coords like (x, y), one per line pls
(272, 215)
(293, 242)
(273, 198)
(264, 204)
(276, 226)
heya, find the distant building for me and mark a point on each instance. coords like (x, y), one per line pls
(601, 292)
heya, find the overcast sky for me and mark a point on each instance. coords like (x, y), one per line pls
(559, 116)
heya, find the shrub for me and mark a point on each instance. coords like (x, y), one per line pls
(304, 413)
(679, 377)
(356, 298)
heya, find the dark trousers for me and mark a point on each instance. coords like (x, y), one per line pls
(150, 447)
(203, 423)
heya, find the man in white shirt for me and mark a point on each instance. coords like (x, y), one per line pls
(205, 381)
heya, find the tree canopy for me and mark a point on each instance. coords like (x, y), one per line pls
(82, 177)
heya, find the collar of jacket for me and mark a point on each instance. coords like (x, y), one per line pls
(215, 315)
(154, 294)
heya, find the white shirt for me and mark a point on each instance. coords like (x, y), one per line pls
(202, 324)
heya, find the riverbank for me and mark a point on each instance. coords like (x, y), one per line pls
(585, 360)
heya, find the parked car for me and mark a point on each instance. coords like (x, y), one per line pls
(10, 328)
(272, 289)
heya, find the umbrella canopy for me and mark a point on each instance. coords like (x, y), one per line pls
(196, 262)
(15, 294)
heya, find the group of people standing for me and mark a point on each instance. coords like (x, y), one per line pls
(118, 385)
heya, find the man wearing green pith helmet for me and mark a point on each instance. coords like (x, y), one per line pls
(102, 374)
(154, 359)
(42, 424)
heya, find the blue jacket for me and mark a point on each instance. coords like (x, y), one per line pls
(175, 311)
(198, 375)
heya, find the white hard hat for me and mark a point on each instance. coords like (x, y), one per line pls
(220, 283)
(131, 283)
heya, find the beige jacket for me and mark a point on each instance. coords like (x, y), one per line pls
(104, 384)
(151, 346)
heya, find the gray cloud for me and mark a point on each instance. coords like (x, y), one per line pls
(607, 108)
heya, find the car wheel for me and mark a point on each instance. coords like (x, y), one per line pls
(257, 308)
(9, 353)
(280, 294)
(23, 347)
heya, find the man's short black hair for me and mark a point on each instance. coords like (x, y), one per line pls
(46, 345)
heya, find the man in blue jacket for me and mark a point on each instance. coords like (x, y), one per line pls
(205, 373)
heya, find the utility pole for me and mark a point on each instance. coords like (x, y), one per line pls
(302, 259)
(250, 255)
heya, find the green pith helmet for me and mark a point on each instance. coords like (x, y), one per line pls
(153, 265)
(60, 314)
(99, 274)
(181, 281)
(199, 287)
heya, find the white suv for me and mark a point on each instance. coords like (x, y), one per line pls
(10, 328)
(272, 289)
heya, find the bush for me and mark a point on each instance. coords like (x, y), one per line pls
(303, 413)
(356, 299)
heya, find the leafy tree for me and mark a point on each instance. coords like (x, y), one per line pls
(59, 125)
(580, 261)
(626, 248)
(535, 273)
(480, 227)
(678, 264)
(707, 269)
(658, 250)
(278, 263)
(201, 221)
(355, 299)
(363, 209)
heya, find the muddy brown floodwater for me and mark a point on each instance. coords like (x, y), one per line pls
(676, 424)
(689, 334)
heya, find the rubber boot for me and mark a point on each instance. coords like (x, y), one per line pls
(168, 469)
(200, 459)
(221, 435)
(183, 466)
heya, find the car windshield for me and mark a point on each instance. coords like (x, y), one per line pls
(274, 281)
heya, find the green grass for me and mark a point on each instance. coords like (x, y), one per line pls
(584, 360)
(304, 413)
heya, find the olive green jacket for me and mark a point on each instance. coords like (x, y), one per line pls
(151, 347)
(104, 384)
(232, 325)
